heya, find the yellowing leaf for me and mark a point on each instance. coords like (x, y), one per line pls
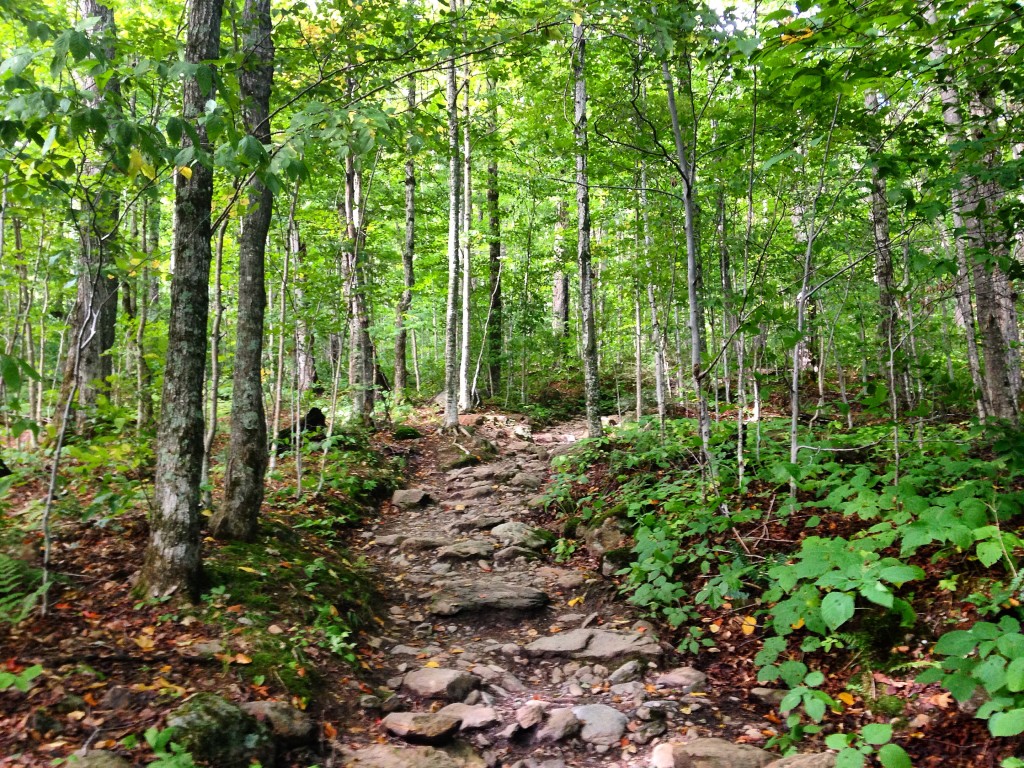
(802, 35)
(797, 624)
(148, 171)
(134, 163)
(241, 658)
(846, 698)
(432, 664)
(144, 642)
(247, 569)
(749, 625)
(575, 601)
(185, 171)
(577, 18)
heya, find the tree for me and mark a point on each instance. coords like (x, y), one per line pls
(247, 449)
(590, 373)
(173, 560)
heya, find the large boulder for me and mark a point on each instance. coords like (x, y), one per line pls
(719, 753)
(606, 646)
(602, 724)
(607, 536)
(410, 497)
(221, 733)
(516, 534)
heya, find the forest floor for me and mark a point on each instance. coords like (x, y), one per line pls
(509, 657)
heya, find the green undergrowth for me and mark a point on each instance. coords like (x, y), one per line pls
(899, 551)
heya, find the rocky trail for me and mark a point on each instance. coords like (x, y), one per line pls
(492, 654)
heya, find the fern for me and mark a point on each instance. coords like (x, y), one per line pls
(20, 589)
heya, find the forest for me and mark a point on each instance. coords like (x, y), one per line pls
(642, 381)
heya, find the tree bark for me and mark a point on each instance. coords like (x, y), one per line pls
(96, 309)
(560, 281)
(495, 330)
(465, 395)
(591, 382)
(173, 558)
(451, 408)
(238, 516)
(408, 252)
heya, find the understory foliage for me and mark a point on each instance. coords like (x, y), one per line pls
(906, 563)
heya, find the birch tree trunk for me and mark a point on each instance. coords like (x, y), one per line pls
(451, 407)
(173, 557)
(408, 252)
(589, 337)
(238, 516)
(465, 395)
(495, 329)
(560, 281)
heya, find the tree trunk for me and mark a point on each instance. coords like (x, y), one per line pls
(96, 310)
(173, 558)
(451, 408)
(884, 278)
(688, 174)
(560, 281)
(589, 337)
(465, 396)
(238, 516)
(408, 251)
(495, 331)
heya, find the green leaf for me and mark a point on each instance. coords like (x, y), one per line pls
(959, 642)
(901, 574)
(877, 733)
(849, 758)
(836, 609)
(894, 756)
(204, 77)
(1007, 723)
(989, 553)
(814, 707)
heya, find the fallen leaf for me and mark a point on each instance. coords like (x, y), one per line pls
(432, 664)
(330, 731)
(749, 625)
(144, 642)
(846, 698)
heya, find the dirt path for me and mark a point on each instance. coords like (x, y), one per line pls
(497, 655)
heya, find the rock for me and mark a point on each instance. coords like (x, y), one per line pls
(405, 432)
(483, 594)
(221, 733)
(391, 541)
(602, 725)
(508, 554)
(685, 679)
(561, 724)
(596, 645)
(481, 523)
(626, 673)
(810, 760)
(719, 753)
(477, 492)
(386, 756)
(290, 725)
(417, 543)
(531, 714)
(667, 755)
(472, 717)
(421, 727)
(634, 690)
(440, 683)
(369, 701)
(527, 480)
(649, 731)
(470, 549)
(98, 758)
(516, 534)
(770, 696)
(605, 537)
(410, 497)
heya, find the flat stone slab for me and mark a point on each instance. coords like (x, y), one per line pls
(472, 716)
(482, 523)
(410, 497)
(596, 645)
(601, 724)
(440, 683)
(485, 595)
(719, 753)
(422, 727)
(686, 679)
(466, 550)
(387, 756)
(527, 480)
